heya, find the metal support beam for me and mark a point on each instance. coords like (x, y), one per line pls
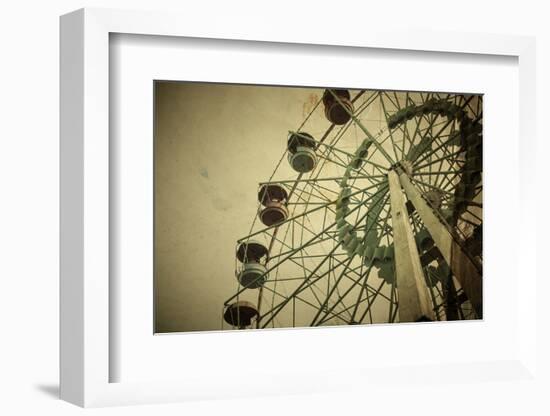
(463, 267)
(413, 298)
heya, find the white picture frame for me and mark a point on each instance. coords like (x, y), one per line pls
(85, 166)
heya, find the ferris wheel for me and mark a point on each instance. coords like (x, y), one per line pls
(373, 214)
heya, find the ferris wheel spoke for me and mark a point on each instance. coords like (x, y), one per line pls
(372, 180)
(479, 107)
(321, 188)
(410, 102)
(336, 138)
(339, 308)
(448, 182)
(477, 191)
(472, 223)
(337, 315)
(355, 283)
(472, 214)
(443, 152)
(370, 267)
(313, 190)
(299, 298)
(371, 303)
(304, 285)
(314, 180)
(365, 130)
(406, 139)
(283, 296)
(359, 274)
(325, 308)
(424, 150)
(385, 113)
(330, 149)
(373, 291)
(418, 129)
(295, 252)
(390, 99)
(311, 289)
(445, 125)
(367, 103)
(344, 164)
(309, 280)
(438, 180)
(442, 158)
(427, 185)
(380, 168)
(309, 196)
(440, 147)
(307, 270)
(397, 100)
(435, 173)
(339, 163)
(447, 178)
(470, 108)
(425, 96)
(441, 188)
(344, 128)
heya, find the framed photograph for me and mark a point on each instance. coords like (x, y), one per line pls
(282, 213)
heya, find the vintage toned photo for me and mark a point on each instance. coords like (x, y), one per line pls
(281, 207)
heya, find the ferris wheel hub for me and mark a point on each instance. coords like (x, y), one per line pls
(407, 166)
